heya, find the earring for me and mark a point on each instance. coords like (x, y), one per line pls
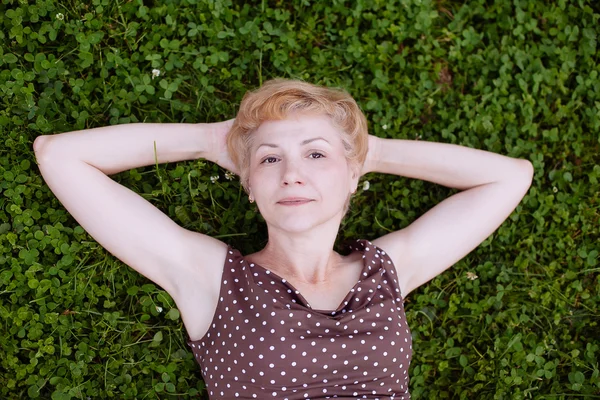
(251, 199)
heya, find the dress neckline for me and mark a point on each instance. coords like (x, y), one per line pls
(338, 310)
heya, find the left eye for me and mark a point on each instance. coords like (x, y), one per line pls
(321, 155)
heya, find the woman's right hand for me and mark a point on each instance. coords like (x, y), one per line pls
(219, 153)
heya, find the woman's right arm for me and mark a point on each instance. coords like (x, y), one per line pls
(76, 165)
(113, 149)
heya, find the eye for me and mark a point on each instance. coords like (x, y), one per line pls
(275, 158)
(268, 158)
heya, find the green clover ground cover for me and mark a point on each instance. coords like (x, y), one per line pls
(515, 319)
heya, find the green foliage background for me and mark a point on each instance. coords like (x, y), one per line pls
(519, 78)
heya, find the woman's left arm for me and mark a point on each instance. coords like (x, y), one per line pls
(492, 186)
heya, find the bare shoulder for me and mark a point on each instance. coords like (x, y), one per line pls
(203, 251)
(397, 246)
(198, 291)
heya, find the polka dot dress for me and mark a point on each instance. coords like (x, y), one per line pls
(266, 341)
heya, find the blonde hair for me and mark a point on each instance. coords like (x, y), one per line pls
(276, 99)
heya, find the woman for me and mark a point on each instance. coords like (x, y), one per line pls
(296, 319)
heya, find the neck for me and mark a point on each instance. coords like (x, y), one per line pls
(306, 258)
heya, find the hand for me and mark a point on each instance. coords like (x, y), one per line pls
(372, 156)
(219, 153)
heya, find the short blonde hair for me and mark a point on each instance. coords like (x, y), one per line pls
(276, 99)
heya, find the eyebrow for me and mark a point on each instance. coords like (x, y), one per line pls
(304, 142)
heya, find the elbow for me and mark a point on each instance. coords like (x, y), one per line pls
(527, 171)
(528, 166)
(38, 143)
(40, 147)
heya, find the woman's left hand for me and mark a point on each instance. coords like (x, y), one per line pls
(372, 156)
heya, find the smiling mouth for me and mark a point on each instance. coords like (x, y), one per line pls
(295, 202)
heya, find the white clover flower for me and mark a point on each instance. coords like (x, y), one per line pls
(384, 127)
(215, 178)
(155, 73)
(471, 276)
(159, 309)
(554, 189)
(60, 16)
(366, 185)
(229, 175)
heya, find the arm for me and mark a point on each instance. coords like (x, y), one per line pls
(113, 149)
(492, 184)
(449, 165)
(75, 165)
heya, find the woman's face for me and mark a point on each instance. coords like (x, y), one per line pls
(301, 156)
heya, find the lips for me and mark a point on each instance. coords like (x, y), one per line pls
(290, 199)
(294, 200)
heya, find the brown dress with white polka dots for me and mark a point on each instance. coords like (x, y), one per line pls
(266, 341)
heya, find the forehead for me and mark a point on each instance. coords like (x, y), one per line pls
(296, 126)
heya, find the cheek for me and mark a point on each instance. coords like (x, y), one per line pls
(335, 180)
(262, 180)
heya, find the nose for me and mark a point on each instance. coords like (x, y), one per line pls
(291, 173)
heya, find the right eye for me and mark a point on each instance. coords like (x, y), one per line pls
(268, 158)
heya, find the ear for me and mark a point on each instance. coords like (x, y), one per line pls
(354, 177)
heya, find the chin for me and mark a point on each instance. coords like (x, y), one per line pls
(306, 221)
(297, 225)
